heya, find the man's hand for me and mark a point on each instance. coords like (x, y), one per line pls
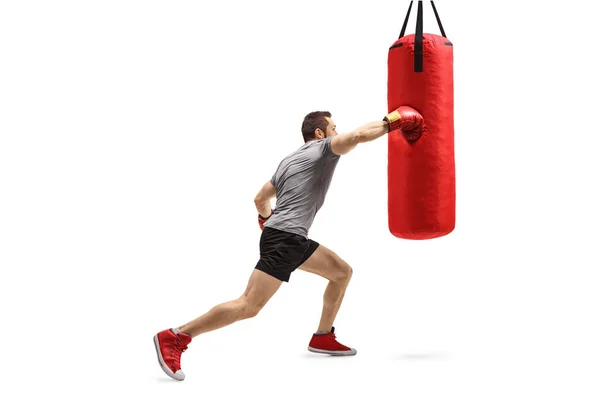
(262, 220)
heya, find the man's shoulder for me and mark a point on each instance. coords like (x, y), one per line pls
(313, 148)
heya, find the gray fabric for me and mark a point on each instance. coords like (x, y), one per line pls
(301, 182)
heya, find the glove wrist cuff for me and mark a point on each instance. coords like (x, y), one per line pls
(265, 218)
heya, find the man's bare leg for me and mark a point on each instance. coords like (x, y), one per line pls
(329, 265)
(261, 287)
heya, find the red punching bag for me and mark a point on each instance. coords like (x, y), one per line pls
(421, 172)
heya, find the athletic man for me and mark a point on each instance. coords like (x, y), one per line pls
(299, 185)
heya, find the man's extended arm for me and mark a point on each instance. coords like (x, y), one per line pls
(404, 118)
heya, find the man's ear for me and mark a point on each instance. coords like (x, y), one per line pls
(319, 133)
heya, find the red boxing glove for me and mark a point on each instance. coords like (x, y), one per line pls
(262, 220)
(408, 120)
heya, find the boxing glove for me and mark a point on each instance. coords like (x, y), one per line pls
(262, 220)
(406, 119)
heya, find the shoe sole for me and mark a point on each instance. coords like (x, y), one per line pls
(351, 352)
(161, 361)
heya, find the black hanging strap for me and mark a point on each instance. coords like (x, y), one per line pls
(419, 39)
(419, 32)
(405, 20)
(437, 17)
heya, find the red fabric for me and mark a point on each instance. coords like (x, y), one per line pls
(421, 175)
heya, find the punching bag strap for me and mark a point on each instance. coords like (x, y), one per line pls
(419, 32)
(437, 17)
(419, 39)
(405, 20)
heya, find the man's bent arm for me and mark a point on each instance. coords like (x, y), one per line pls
(262, 201)
(263, 208)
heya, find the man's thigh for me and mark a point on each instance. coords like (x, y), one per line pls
(326, 263)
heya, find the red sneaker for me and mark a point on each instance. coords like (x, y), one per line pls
(169, 347)
(327, 344)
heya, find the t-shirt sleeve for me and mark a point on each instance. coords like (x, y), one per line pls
(327, 147)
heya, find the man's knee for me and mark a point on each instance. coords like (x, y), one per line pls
(344, 273)
(251, 307)
(348, 272)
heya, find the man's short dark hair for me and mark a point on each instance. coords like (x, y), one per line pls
(312, 121)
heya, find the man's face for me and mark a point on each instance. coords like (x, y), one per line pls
(331, 128)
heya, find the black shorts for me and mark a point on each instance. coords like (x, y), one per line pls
(282, 252)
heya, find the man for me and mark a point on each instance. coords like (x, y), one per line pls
(299, 185)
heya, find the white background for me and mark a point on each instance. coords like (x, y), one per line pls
(135, 135)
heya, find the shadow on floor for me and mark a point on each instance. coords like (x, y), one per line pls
(421, 356)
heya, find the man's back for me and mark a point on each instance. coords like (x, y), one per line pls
(301, 181)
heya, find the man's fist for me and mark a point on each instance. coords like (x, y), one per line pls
(408, 120)
(262, 220)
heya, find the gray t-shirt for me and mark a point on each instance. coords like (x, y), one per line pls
(301, 182)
